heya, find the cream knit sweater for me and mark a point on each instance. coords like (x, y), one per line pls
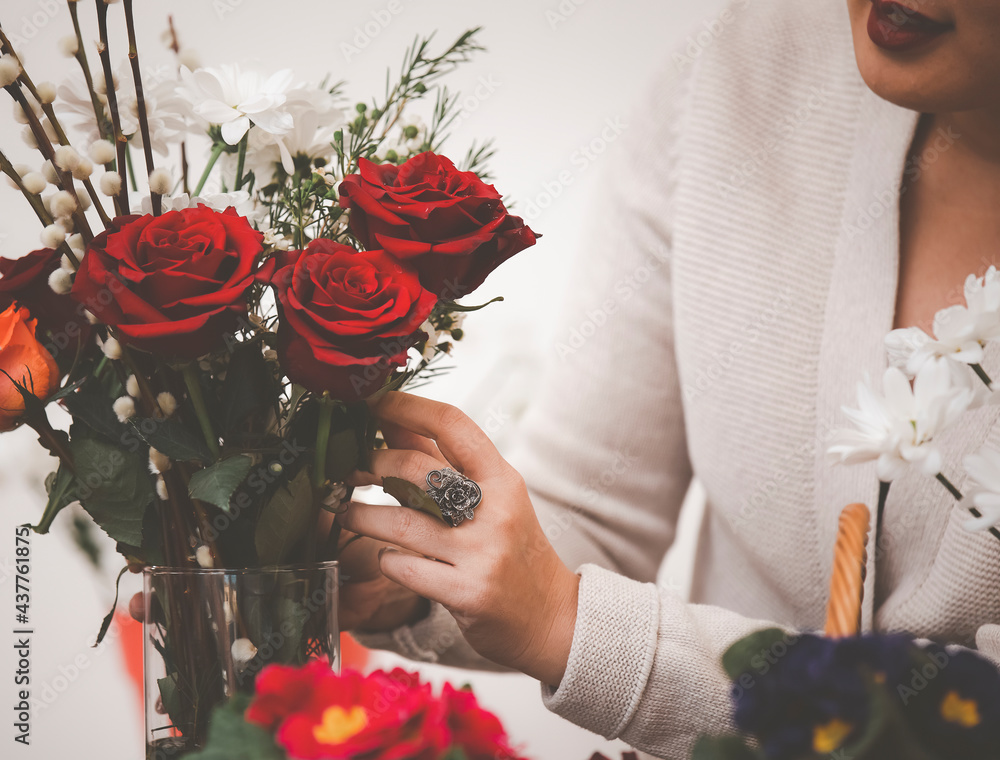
(739, 280)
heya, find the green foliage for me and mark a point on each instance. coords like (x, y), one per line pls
(738, 659)
(171, 437)
(249, 387)
(216, 483)
(412, 496)
(230, 736)
(284, 520)
(723, 748)
(113, 485)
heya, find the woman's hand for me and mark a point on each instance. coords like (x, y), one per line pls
(514, 599)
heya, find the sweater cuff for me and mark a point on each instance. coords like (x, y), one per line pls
(614, 642)
(423, 641)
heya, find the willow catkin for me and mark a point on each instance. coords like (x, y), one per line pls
(843, 610)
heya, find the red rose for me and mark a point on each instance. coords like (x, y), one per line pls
(449, 225)
(317, 715)
(346, 318)
(175, 284)
(26, 281)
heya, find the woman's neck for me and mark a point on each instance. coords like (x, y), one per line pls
(976, 134)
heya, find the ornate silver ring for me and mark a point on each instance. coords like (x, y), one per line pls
(456, 495)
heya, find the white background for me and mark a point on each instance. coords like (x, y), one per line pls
(554, 74)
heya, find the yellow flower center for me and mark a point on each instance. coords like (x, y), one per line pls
(830, 736)
(964, 712)
(339, 724)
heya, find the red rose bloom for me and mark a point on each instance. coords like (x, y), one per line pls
(318, 715)
(26, 281)
(346, 318)
(175, 284)
(449, 225)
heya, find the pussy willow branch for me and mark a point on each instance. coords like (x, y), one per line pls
(36, 203)
(50, 113)
(175, 46)
(121, 200)
(140, 100)
(81, 58)
(48, 152)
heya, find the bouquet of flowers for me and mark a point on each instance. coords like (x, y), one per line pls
(217, 351)
(311, 713)
(879, 696)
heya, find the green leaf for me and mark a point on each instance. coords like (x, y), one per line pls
(67, 390)
(284, 520)
(106, 623)
(230, 736)
(412, 496)
(446, 306)
(723, 748)
(249, 385)
(114, 486)
(216, 483)
(740, 657)
(61, 487)
(173, 438)
(94, 410)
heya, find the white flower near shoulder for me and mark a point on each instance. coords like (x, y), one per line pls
(898, 427)
(983, 491)
(235, 100)
(960, 332)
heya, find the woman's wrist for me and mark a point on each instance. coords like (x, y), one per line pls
(549, 660)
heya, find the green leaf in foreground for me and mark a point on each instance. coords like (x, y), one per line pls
(215, 484)
(723, 748)
(284, 519)
(230, 736)
(413, 496)
(740, 658)
(114, 486)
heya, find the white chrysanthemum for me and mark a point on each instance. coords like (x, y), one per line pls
(239, 199)
(959, 332)
(125, 408)
(984, 491)
(898, 428)
(235, 99)
(167, 113)
(315, 117)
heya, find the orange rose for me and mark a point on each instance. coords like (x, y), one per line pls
(23, 358)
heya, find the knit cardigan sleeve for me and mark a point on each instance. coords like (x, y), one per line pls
(603, 450)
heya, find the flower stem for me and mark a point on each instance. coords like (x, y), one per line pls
(116, 123)
(216, 152)
(958, 497)
(978, 369)
(140, 101)
(200, 410)
(322, 441)
(241, 158)
(883, 495)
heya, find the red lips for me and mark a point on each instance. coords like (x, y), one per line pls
(896, 28)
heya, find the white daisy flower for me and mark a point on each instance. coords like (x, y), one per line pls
(984, 488)
(898, 427)
(235, 100)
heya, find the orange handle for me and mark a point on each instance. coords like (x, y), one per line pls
(843, 611)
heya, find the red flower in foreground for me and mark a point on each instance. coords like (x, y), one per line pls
(317, 715)
(174, 284)
(347, 317)
(449, 225)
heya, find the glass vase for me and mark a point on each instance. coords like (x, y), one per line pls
(208, 633)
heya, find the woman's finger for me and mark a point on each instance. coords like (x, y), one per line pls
(397, 437)
(401, 526)
(468, 448)
(396, 463)
(432, 580)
